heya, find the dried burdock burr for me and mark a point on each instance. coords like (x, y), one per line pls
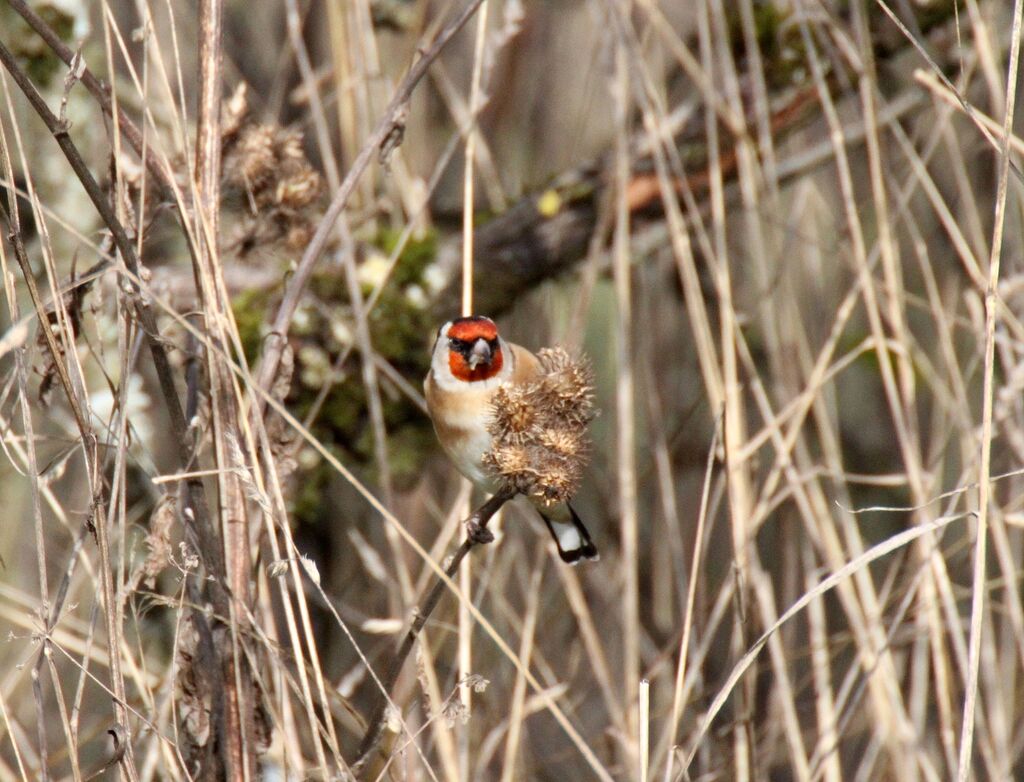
(539, 437)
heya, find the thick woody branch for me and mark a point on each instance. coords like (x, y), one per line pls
(238, 758)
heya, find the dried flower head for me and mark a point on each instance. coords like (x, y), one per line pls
(514, 418)
(455, 712)
(476, 681)
(568, 442)
(253, 159)
(539, 440)
(265, 172)
(158, 541)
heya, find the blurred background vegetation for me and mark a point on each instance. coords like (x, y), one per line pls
(786, 233)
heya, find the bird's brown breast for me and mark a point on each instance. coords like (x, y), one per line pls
(464, 409)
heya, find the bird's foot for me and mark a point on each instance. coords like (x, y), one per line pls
(477, 533)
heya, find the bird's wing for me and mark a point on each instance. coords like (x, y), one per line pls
(526, 366)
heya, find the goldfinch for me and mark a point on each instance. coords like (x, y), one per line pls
(470, 363)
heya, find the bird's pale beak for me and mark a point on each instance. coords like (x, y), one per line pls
(479, 354)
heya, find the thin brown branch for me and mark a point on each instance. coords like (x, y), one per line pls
(385, 137)
(97, 520)
(45, 652)
(124, 246)
(198, 520)
(477, 532)
(56, 354)
(237, 720)
(99, 89)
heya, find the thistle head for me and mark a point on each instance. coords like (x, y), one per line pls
(539, 437)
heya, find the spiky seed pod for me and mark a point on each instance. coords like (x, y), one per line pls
(266, 173)
(512, 416)
(560, 481)
(299, 190)
(253, 161)
(514, 464)
(562, 441)
(539, 440)
(570, 385)
(512, 459)
(290, 146)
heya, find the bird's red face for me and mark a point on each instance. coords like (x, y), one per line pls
(474, 351)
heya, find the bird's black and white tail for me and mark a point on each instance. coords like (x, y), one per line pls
(571, 537)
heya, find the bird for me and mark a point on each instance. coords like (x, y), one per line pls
(470, 361)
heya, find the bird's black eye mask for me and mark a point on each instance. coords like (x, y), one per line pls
(464, 346)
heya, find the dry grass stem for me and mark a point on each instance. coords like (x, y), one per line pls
(783, 234)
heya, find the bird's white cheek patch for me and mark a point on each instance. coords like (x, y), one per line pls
(568, 536)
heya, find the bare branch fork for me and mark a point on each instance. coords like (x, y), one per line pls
(477, 533)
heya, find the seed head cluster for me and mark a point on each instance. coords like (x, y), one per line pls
(266, 171)
(539, 439)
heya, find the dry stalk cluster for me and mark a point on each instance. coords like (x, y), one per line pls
(812, 246)
(539, 429)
